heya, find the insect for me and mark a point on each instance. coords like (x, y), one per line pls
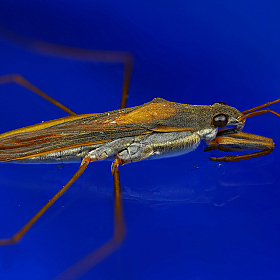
(153, 130)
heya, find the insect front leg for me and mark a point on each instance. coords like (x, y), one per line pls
(240, 141)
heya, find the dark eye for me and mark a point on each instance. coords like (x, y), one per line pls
(220, 120)
(220, 102)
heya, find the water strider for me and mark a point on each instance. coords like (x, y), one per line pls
(153, 130)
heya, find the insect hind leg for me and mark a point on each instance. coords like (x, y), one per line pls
(18, 79)
(19, 234)
(72, 53)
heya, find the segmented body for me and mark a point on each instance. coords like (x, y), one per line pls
(153, 130)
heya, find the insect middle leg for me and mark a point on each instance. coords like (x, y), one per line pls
(88, 262)
(126, 58)
(20, 80)
(103, 251)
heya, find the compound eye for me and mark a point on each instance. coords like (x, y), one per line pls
(220, 102)
(220, 120)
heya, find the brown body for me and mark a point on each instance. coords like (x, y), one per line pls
(157, 116)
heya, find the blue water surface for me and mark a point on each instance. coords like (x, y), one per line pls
(186, 217)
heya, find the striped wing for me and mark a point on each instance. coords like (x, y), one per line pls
(88, 129)
(62, 134)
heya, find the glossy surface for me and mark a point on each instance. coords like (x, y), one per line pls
(187, 217)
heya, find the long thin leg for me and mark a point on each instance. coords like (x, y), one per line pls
(85, 264)
(18, 235)
(75, 53)
(242, 157)
(18, 79)
(241, 141)
(128, 66)
(221, 148)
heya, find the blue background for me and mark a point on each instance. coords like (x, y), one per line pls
(187, 217)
